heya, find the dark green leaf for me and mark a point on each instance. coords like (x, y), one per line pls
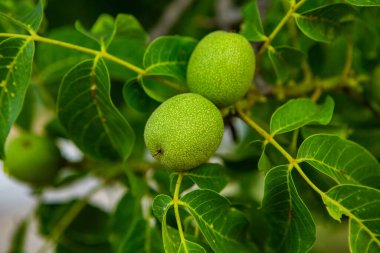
(137, 185)
(362, 205)
(326, 23)
(300, 112)
(222, 226)
(165, 60)
(252, 28)
(292, 226)
(283, 59)
(90, 226)
(364, 2)
(342, 160)
(142, 238)
(136, 97)
(87, 113)
(209, 176)
(16, 56)
(127, 212)
(77, 247)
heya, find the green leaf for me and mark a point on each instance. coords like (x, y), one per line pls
(161, 205)
(27, 113)
(285, 58)
(252, 27)
(325, 23)
(185, 184)
(136, 97)
(53, 62)
(124, 218)
(344, 161)
(300, 112)
(209, 176)
(362, 205)
(26, 16)
(292, 226)
(106, 29)
(171, 238)
(18, 238)
(264, 163)
(16, 56)
(142, 238)
(90, 226)
(88, 232)
(128, 43)
(87, 113)
(101, 31)
(165, 61)
(364, 2)
(131, 232)
(222, 226)
(173, 243)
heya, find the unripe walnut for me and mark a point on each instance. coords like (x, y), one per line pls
(32, 159)
(184, 131)
(221, 68)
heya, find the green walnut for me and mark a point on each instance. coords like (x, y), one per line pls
(184, 131)
(221, 68)
(32, 159)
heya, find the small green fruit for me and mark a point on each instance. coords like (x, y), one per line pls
(32, 159)
(221, 68)
(184, 131)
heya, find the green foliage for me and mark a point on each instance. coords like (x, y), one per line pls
(300, 148)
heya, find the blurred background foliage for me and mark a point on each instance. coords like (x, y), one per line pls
(357, 109)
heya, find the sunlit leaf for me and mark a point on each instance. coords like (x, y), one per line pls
(300, 112)
(87, 113)
(325, 23)
(344, 161)
(362, 205)
(222, 226)
(364, 2)
(252, 27)
(16, 56)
